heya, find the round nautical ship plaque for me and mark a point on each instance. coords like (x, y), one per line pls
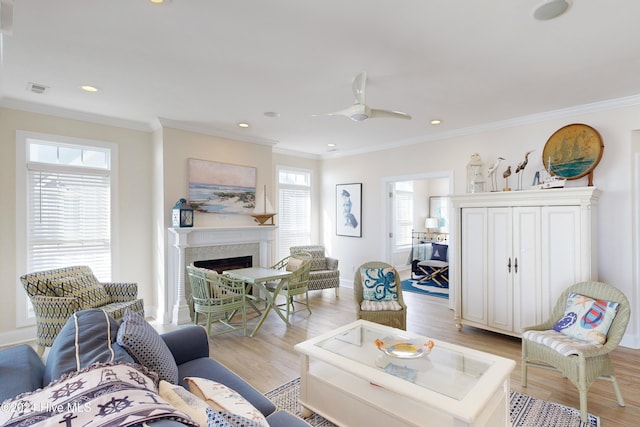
(573, 151)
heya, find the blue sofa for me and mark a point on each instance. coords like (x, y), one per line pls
(21, 370)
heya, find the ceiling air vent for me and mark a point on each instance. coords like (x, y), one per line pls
(37, 88)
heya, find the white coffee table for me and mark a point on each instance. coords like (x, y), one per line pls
(344, 378)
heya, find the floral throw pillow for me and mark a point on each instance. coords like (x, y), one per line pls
(587, 319)
(379, 284)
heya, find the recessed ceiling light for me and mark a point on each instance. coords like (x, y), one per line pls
(436, 122)
(89, 88)
(331, 144)
(159, 1)
(272, 114)
(551, 9)
(243, 125)
(37, 88)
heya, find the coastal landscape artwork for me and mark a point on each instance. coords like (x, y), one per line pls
(221, 187)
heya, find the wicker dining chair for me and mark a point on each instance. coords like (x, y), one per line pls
(587, 362)
(297, 284)
(384, 316)
(218, 297)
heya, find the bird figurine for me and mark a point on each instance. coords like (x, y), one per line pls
(491, 173)
(506, 174)
(521, 166)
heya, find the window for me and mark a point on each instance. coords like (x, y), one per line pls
(67, 195)
(403, 213)
(294, 209)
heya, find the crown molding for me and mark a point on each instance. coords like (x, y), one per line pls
(595, 107)
(211, 131)
(64, 113)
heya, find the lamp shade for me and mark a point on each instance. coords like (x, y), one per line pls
(431, 223)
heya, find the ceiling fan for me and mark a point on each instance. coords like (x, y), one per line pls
(360, 111)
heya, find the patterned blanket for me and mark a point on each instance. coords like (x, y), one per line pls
(121, 394)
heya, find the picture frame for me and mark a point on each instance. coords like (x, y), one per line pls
(349, 210)
(221, 188)
(439, 208)
(573, 151)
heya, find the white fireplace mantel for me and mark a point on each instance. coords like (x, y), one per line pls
(180, 240)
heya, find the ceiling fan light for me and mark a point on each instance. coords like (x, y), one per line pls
(358, 117)
(551, 9)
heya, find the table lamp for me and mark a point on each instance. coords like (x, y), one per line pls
(431, 224)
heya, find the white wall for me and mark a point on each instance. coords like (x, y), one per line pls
(133, 231)
(613, 176)
(153, 176)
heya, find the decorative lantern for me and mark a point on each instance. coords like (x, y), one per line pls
(182, 214)
(475, 175)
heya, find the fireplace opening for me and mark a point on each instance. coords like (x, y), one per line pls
(223, 264)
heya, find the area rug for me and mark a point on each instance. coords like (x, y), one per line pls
(525, 410)
(426, 288)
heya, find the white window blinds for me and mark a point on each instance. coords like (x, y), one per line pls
(69, 221)
(294, 210)
(403, 213)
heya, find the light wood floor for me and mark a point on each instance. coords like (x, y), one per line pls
(268, 360)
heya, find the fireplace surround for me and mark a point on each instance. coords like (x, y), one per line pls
(188, 245)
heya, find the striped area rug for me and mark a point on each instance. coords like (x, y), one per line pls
(426, 288)
(525, 410)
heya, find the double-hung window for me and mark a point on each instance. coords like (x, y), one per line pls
(403, 214)
(294, 209)
(68, 199)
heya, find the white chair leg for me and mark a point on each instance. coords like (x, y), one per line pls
(583, 406)
(616, 387)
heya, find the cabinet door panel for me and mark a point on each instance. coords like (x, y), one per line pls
(474, 259)
(561, 252)
(527, 276)
(500, 267)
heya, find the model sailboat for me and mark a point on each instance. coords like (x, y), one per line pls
(263, 211)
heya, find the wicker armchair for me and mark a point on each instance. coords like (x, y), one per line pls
(218, 297)
(297, 284)
(57, 294)
(393, 318)
(589, 362)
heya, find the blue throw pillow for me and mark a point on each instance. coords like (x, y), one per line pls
(439, 252)
(89, 336)
(379, 284)
(146, 346)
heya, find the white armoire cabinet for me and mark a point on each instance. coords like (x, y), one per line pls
(517, 251)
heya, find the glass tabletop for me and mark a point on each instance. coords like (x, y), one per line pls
(443, 370)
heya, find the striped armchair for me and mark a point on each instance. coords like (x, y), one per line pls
(324, 272)
(57, 294)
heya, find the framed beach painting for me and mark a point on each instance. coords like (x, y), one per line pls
(349, 210)
(221, 187)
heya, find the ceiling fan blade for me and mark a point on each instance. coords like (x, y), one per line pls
(373, 113)
(358, 86)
